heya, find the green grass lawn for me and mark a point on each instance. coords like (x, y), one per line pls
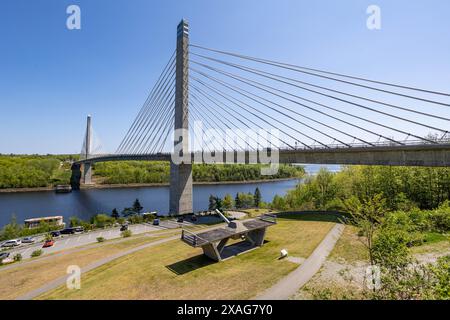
(26, 276)
(174, 270)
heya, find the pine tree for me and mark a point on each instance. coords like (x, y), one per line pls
(115, 214)
(137, 206)
(219, 204)
(257, 197)
(237, 201)
(212, 203)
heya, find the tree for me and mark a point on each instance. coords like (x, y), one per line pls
(11, 230)
(227, 201)
(368, 216)
(237, 201)
(257, 197)
(115, 214)
(137, 206)
(212, 203)
(219, 204)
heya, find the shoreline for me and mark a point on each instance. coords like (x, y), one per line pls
(143, 185)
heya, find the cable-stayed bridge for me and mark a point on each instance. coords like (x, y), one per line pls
(215, 106)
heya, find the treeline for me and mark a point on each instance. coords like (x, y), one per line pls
(34, 171)
(159, 172)
(403, 188)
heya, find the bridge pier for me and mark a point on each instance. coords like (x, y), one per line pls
(87, 173)
(181, 173)
(76, 176)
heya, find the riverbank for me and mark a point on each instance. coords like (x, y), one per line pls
(144, 185)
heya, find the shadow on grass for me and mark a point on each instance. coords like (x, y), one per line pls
(190, 264)
(325, 216)
(200, 261)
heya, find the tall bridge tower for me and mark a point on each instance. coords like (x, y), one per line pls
(181, 173)
(87, 166)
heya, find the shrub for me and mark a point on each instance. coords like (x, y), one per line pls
(441, 219)
(17, 257)
(100, 239)
(36, 253)
(126, 233)
(102, 220)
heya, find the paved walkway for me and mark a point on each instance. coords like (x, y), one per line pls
(289, 285)
(62, 280)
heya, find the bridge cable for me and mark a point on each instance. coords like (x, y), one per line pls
(156, 122)
(314, 120)
(269, 74)
(238, 90)
(249, 82)
(300, 69)
(240, 104)
(193, 105)
(215, 101)
(159, 105)
(146, 103)
(156, 100)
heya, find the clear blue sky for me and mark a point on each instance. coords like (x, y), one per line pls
(51, 77)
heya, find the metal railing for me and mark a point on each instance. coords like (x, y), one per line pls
(191, 238)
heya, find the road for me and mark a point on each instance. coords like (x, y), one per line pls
(71, 241)
(289, 285)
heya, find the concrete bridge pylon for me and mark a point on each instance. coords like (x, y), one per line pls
(181, 173)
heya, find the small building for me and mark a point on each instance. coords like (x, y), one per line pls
(36, 222)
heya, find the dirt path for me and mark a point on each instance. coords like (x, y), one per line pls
(289, 285)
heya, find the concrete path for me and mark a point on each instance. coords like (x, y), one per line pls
(62, 280)
(289, 285)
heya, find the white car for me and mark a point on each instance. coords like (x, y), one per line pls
(12, 243)
(28, 240)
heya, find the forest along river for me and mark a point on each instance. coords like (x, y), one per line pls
(86, 203)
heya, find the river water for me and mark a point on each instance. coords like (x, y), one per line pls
(86, 203)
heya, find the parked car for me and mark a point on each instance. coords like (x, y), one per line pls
(180, 219)
(156, 222)
(55, 233)
(78, 229)
(48, 243)
(67, 231)
(28, 240)
(4, 255)
(124, 227)
(12, 243)
(194, 217)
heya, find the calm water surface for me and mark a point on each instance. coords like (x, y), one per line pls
(86, 203)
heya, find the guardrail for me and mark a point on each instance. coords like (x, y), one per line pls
(268, 217)
(191, 238)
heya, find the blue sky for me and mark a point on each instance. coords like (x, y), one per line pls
(52, 77)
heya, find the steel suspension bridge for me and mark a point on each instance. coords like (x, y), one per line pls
(243, 106)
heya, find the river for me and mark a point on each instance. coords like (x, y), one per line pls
(85, 203)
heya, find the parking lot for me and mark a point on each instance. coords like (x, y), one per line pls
(70, 241)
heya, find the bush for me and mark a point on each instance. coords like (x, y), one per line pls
(126, 233)
(441, 219)
(17, 257)
(36, 253)
(100, 239)
(135, 219)
(102, 220)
